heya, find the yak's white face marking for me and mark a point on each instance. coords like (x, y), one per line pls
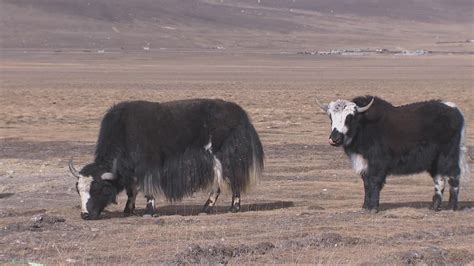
(359, 164)
(339, 110)
(84, 187)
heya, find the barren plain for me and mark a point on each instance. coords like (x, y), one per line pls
(63, 64)
(307, 206)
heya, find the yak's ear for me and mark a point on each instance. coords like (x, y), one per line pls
(107, 176)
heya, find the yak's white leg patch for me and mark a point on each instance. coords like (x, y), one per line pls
(217, 170)
(216, 183)
(236, 200)
(84, 187)
(213, 196)
(219, 181)
(152, 202)
(359, 164)
(440, 183)
(208, 146)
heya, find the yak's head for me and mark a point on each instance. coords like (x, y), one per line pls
(345, 116)
(95, 188)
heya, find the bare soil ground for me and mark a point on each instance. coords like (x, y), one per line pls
(307, 207)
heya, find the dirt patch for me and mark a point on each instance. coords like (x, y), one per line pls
(327, 240)
(432, 256)
(224, 254)
(405, 213)
(196, 254)
(37, 223)
(439, 233)
(307, 207)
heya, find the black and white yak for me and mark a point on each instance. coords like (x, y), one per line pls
(171, 149)
(381, 139)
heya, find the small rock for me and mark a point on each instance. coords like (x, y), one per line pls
(37, 218)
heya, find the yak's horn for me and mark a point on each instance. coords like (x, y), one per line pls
(365, 108)
(73, 170)
(323, 107)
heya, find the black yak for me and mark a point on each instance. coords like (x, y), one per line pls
(381, 139)
(171, 149)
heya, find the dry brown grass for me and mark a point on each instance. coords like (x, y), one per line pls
(50, 111)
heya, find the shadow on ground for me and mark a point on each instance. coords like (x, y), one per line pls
(190, 210)
(423, 205)
(6, 195)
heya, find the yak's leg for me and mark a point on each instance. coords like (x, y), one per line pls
(375, 186)
(367, 192)
(453, 193)
(215, 191)
(132, 192)
(150, 205)
(235, 207)
(212, 199)
(439, 182)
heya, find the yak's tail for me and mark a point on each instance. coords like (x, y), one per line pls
(242, 158)
(463, 160)
(180, 176)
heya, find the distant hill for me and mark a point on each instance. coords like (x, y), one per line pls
(231, 24)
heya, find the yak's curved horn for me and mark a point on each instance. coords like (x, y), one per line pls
(73, 170)
(365, 108)
(323, 107)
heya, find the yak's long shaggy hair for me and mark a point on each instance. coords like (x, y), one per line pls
(172, 148)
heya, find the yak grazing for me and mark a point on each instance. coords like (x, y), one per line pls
(171, 149)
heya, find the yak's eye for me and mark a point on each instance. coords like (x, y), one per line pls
(77, 188)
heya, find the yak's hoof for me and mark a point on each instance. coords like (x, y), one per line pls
(128, 212)
(234, 209)
(435, 208)
(206, 209)
(453, 207)
(373, 211)
(149, 213)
